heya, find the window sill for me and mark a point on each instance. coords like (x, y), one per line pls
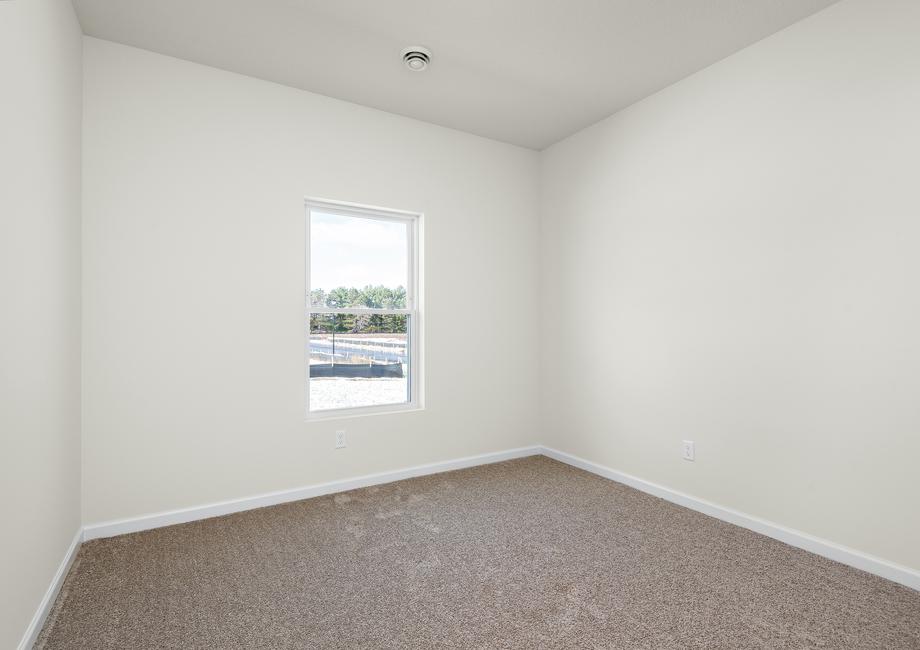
(361, 412)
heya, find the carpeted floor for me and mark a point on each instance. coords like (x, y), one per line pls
(523, 554)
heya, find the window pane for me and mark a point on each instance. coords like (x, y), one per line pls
(358, 360)
(350, 254)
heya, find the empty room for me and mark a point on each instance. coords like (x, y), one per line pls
(494, 324)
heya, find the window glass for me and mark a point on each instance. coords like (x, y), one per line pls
(355, 252)
(358, 360)
(360, 311)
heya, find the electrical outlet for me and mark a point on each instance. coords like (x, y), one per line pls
(340, 439)
(689, 450)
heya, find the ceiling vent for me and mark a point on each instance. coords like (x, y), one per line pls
(416, 58)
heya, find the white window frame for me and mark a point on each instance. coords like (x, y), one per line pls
(413, 310)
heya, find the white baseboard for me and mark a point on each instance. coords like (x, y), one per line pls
(868, 563)
(44, 607)
(156, 520)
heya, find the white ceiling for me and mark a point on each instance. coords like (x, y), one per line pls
(529, 72)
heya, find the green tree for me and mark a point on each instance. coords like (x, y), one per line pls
(369, 297)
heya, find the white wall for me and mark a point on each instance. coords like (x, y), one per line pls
(40, 72)
(743, 246)
(194, 183)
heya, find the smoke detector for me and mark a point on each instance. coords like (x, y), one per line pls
(416, 58)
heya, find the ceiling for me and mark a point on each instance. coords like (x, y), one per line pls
(528, 72)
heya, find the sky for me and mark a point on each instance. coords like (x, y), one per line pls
(356, 252)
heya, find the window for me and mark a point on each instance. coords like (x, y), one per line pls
(363, 320)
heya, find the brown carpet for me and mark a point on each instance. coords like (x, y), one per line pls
(523, 554)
